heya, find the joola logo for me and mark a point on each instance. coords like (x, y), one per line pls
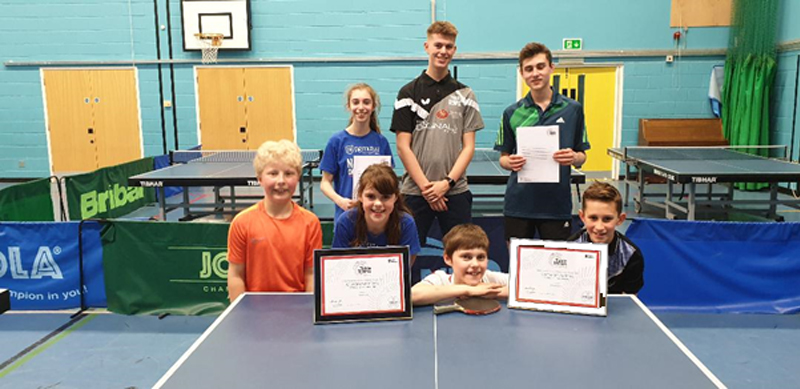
(252, 182)
(93, 203)
(213, 266)
(215, 269)
(43, 266)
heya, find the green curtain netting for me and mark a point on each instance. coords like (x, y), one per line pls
(750, 69)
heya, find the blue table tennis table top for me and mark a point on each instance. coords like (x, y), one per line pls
(269, 340)
(708, 164)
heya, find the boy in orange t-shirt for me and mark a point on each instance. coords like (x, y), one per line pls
(271, 244)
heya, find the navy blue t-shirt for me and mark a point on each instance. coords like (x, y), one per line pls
(345, 232)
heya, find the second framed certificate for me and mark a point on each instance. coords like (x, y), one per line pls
(553, 276)
(362, 284)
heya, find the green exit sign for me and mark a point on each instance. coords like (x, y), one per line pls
(572, 44)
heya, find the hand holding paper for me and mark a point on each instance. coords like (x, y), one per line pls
(565, 157)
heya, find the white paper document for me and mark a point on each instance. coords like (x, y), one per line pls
(538, 144)
(558, 276)
(361, 163)
(357, 285)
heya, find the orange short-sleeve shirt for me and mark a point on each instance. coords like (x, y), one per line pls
(275, 253)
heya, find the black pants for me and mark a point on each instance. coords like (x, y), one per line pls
(549, 229)
(459, 211)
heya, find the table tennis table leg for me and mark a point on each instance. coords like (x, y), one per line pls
(773, 198)
(233, 200)
(627, 182)
(162, 204)
(311, 188)
(691, 206)
(667, 201)
(302, 192)
(186, 202)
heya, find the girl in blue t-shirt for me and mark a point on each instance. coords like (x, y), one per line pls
(361, 137)
(379, 217)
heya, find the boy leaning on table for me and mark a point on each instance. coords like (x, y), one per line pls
(466, 249)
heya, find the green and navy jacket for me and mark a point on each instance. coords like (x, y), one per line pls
(533, 200)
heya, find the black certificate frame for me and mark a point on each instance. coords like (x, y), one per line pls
(320, 256)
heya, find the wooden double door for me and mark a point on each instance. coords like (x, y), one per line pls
(92, 118)
(242, 107)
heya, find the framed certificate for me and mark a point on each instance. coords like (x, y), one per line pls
(565, 277)
(362, 284)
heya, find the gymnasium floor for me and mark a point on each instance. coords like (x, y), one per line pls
(103, 350)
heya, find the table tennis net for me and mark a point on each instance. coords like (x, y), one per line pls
(231, 156)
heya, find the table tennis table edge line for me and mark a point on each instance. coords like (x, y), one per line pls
(678, 343)
(435, 352)
(196, 344)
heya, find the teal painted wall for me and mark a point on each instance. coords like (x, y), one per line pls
(120, 30)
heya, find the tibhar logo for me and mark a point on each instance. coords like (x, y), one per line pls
(213, 266)
(93, 203)
(704, 180)
(43, 266)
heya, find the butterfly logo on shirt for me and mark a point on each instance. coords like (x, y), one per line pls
(425, 101)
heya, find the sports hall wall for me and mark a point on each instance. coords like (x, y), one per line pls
(379, 42)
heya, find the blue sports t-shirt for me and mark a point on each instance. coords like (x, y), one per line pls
(345, 232)
(338, 158)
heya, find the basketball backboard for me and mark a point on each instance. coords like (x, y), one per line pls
(231, 18)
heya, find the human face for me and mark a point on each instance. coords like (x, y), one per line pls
(279, 181)
(601, 220)
(377, 208)
(469, 266)
(361, 105)
(536, 72)
(440, 50)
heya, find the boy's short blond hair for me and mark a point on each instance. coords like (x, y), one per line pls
(603, 192)
(280, 151)
(443, 28)
(466, 236)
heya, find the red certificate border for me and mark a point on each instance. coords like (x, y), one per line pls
(367, 257)
(596, 278)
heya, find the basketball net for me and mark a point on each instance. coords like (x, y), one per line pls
(210, 44)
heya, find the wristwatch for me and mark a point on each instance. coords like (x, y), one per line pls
(450, 181)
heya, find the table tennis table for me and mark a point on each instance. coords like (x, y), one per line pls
(692, 166)
(218, 169)
(269, 340)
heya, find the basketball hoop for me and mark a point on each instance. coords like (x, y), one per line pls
(210, 42)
